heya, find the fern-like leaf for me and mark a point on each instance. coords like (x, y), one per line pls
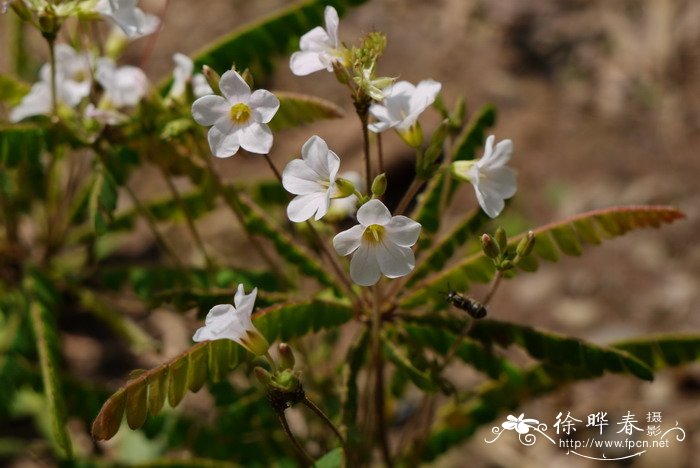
(568, 237)
(148, 391)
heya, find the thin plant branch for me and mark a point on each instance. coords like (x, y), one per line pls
(285, 425)
(312, 406)
(378, 365)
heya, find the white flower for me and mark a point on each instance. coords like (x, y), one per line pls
(131, 19)
(239, 119)
(183, 73)
(232, 322)
(72, 84)
(522, 426)
(123, 86)
(403, 104)
(319, 47)
(381, 242)
(311, 179)
(492, 180)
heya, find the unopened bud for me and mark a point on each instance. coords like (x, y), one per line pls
(212, 77)
(501, 239)
(341, 73)
(264, 377)
(526, 245)
(379, 185)
(248, 78)
(489, 246)
(344, 188)
(286, 356)
(20, 8)
(505, 265)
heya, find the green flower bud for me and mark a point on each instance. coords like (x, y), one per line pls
(287, 360)
(247, 77)
(212, 77)
(341, 73)
(379, 185)
(526, 245)
(344, 188)
(264, 377)
(501, 239)
(505, 265)
(489, 247)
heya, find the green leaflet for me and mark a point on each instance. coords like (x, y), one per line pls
(470, 351)
(421, 379)
(460, 422)
(12, 90)
(354, 362)
(257, 222)
(47, 344)
(185, 372)
(443, 251)
(20, 143)
(299, 109)
(333, 459)
(568, 237)
(103, 200)
(436, 196)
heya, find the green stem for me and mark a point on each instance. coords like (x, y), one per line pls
(52, 59)
(410, 194)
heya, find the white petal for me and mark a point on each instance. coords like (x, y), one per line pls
(509, 425)
(402, 231)
(208, 109)
(234, 88)
(425, 94)
(36, 102)
(182, 73)
(219, 316)
(347, 242)
(298, 178)
(200, 86)
(364, 269)
(499, 156)
(488, 147)
(255, 138)
(319, 158)
(244, 303)
(502, 180)
(400, 87)
(522, 428)
(303, 207)
(491, 202)
(331, 20)
(222, 144)
(264, 105)
(385, 120)
(305, 62)
(395, 261)
(373, 212)
(316, 40)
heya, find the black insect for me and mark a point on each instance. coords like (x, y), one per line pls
(474, 308)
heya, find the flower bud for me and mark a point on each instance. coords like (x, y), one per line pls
(248, 77)
(21, 9)
(341, 73)
(212, 77)
(264, 377)
(501, 239)
(379, 185)
(505, 265)
(489, 247)
(287, 360)
(344, 188)
(526, 245)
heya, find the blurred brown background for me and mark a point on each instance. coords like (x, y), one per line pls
(602, 101)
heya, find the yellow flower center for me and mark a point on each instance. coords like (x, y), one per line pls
(374, 233)
(240, 113)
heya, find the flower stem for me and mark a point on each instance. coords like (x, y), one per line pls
(283, 421)
(312, 406)
(188, 219)
(52, 60)
(362, 109)
(380, 153)
(379, 376)
(319, 240)
(410, 194)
